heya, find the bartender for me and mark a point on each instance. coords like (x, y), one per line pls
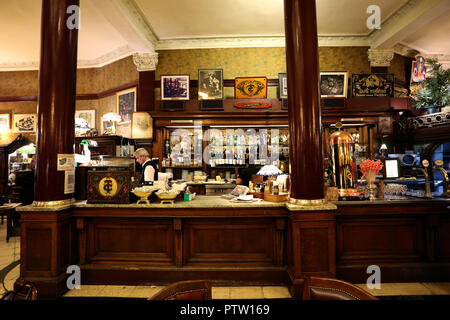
(149, 168)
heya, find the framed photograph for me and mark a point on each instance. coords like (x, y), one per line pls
(126, 104)
(123, 129)
(24, 122)
(385, 125)
(210, 84)
(391, 168)
(108, 127)
(4, 122)
(373, 85)
(250, 87)
(142, 125)
(88, 115)
(333, 84)
(175, 87)
(282, 80)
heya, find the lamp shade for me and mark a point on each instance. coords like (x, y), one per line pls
(111, 116)
(269, 170)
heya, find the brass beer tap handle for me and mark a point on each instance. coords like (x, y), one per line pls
(427, 182)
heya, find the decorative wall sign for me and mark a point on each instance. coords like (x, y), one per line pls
(333, 84)
(282, 81)
(418, 69)
(210, 84)
(250, 87)
(126, 104)
(253, 105)
(372, 85)
(108, 187)
(175, 87)
(24, 122)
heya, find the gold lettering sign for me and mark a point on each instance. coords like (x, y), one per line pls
(108, 187)
(245, 88)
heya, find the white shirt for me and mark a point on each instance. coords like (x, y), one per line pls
(149, 173)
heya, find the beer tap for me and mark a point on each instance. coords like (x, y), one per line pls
(425, 163)
(438, 167)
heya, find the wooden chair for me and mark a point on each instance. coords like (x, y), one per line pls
(317, 288)
(26, 291)
(185, 290)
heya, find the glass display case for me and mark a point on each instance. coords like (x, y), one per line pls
(223, 150)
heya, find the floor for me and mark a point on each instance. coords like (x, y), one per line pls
(10, 252)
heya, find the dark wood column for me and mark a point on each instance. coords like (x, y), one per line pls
(56, 101)
(146, 65)
(305, 126)
(146, 91)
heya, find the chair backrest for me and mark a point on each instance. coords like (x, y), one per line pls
(317, 288)
(25, 291)
(185, 290)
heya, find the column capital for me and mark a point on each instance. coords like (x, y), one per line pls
(380, 57)
(146, 61)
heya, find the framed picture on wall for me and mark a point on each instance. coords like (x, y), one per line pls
(126, 104)
(142, 126)
(88, 115)
(24, 122)
(333, 84)
(282, 81)
(385, 125)
(210, 84)
(4, 122)
(175, 87)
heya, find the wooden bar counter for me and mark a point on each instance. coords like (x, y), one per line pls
(236, 243)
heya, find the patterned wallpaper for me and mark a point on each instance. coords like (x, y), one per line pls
(235, 62)
(239, 62)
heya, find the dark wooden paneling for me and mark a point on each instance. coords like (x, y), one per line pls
(237, 242)
(39, 249)
(443, 239)
(314, 250)
(386, 239)
(130, 241)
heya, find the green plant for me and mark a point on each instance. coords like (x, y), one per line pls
(435, 91)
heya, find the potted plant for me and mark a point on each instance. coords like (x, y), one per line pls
(434, 92)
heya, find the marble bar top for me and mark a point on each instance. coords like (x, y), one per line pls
(219, 202)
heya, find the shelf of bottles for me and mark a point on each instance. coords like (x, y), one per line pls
(225, 147)
(236, 147)
(183, 148)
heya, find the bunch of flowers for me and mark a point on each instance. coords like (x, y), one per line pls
(370, 169)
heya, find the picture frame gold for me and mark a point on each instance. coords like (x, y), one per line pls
(142, 126)
(126, 104)
(23, 123)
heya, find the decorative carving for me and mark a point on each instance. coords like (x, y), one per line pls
(145, 61)
(380, 57)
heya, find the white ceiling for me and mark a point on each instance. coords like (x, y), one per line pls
(113, 29)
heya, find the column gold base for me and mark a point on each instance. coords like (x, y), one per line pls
(49, 204)
(305, 202)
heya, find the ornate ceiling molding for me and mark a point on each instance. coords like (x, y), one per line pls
(404, 22)
(108, 58)
(380, 57)
(250, 42)
(136, 19)
(145, 61)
